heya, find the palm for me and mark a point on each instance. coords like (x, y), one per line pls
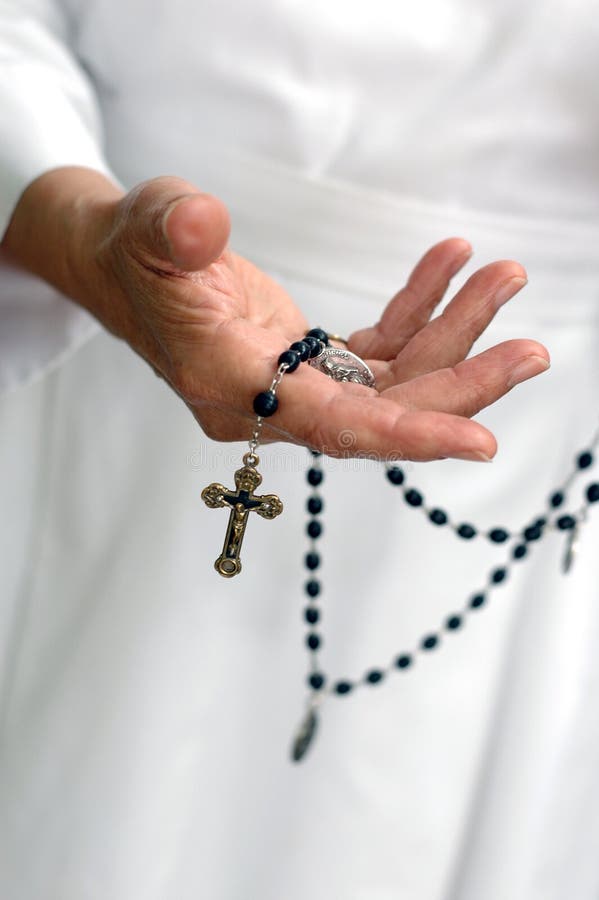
(214, 325)
(418, 363)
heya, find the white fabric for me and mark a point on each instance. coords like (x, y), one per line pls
(48, 118)
(146, 705)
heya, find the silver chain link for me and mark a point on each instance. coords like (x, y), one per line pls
(254, 441)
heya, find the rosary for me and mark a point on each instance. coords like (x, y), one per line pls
(342, 365)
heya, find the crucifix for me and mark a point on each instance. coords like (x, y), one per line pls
(241, 502)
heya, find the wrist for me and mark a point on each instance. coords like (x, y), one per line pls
(57, 229)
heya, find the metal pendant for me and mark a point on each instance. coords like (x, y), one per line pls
(305, 735)
(241, 502)
(343, 365)
(572, 546)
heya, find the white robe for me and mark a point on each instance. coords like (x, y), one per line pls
(147, 705)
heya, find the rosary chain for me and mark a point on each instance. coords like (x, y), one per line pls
(265, 404)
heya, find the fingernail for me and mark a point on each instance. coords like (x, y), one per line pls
(163, 224)
(460, 261)
(472, 456)
(531, 366)
(173, 205)
(507, 290)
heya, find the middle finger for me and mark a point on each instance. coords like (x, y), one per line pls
(448, 339)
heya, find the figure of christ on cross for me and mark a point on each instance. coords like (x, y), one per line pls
(241, 503)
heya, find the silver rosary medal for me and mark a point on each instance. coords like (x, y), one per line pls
(304, 735)
(572, 545)
(342, 365)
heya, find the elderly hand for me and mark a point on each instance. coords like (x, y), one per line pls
(155, 268)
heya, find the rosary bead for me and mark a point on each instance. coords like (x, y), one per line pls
(314, 529)
(313, 641)
(313, 588)
(533, 533)
(498, 575)
(314, 477)
(438, 517)
(564, 523)
(316, 680)
(314, 505)
(319, 334)
(302, 349)
(593, 493)
(312, 560)
(311, 615)
(265, 404)
(291, 358)
(404, 661)
(395, 475)
(315, 346)
(477, 601)
(430, 642)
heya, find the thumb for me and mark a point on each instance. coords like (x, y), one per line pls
(173, 222)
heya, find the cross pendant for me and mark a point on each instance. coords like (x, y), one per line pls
(241, 502)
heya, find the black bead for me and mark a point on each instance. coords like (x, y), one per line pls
(430, 642)
(585, 460)
(438, 517)
(404, 661)
(313, 588)
(316, 680)
(311, 615)
(395, 475)
(556, 499)
(312, 560)
(374, 676)
(499, 535)
(314, 505)
(498, 575)
(265, 404)
(291, 358)
(453, 622)
(533, 533)
(520, 551)
(564, 523)
(313, 641)
(477, 601)
(593, 492)
(466, 531)
(315, 346)
(343, 687)
(314, 528)
(319, 334)
(302, 349)
(314, 477)
(413, 498)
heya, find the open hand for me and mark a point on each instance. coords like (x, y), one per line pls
(213, 325)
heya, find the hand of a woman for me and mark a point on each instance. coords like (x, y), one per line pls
(155, 268)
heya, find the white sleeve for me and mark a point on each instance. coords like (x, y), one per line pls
(49, 117)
